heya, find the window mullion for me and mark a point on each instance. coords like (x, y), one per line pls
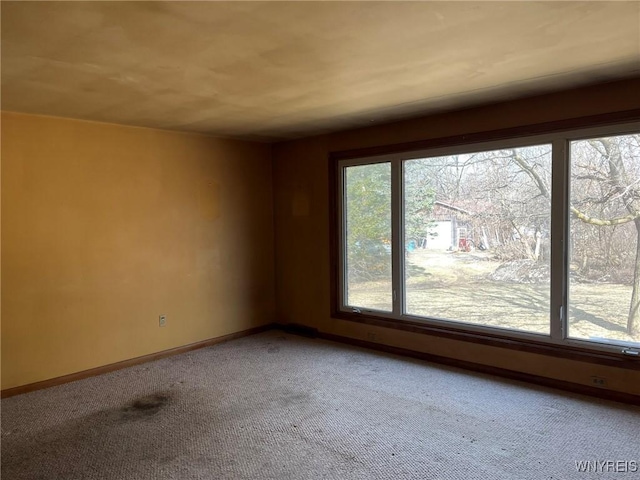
(342, 238)
(559, 237)
(397, 237)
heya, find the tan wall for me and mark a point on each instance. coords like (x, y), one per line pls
(106, 227)
(302, 225)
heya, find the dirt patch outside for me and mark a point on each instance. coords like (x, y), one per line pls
(473, 288)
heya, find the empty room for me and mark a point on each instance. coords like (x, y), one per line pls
(302, 240)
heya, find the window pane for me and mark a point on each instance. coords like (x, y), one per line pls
(368, 236)
(604, 224)
(477, 235)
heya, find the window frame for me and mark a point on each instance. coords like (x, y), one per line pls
(559, 134)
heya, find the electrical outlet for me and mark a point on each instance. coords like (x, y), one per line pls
(162, 320)
(599, 381)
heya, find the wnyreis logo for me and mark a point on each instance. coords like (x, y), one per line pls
(607, 466)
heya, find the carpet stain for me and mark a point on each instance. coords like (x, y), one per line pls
(296, 399)
(129, 430)
(145, 406)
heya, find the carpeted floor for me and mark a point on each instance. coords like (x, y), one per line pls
(277, 406)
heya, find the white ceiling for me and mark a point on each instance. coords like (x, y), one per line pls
(275, 70)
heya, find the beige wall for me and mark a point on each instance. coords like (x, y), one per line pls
(106, 227)
(302, 225)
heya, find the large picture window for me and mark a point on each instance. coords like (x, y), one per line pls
(476, 230)
(533, 238)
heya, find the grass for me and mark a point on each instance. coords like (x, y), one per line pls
(455, 286)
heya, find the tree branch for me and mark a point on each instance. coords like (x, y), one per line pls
(598, 221)
(533, 174)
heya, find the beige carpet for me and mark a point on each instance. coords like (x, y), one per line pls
(277, 406)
